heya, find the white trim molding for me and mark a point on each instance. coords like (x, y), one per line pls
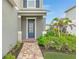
(27, 26)
(12, 2)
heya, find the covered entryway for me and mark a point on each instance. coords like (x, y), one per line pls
(31, 24)
(28, 28)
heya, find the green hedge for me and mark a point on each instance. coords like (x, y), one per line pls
(66, 42)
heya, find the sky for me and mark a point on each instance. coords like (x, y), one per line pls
(56, 8)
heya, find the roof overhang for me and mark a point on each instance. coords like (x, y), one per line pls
(32, 12)
(70, 9)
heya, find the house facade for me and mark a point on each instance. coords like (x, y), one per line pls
(24, 23)
(9, 26)
(31, 19)
(71, 14)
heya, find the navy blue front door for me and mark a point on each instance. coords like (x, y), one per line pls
(31, 28)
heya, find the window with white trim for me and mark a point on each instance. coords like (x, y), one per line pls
(31, 3)
(28, 3)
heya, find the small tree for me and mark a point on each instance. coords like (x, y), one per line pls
(61, 24)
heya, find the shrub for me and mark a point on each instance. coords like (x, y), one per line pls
(64, 43)
(43, 40)
(9, 56)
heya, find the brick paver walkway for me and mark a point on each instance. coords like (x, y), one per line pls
(30, 50)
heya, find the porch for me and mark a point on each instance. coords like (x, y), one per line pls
(30, 27)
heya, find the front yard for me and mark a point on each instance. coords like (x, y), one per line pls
(57, 41)
(55, 44)
(57, 55)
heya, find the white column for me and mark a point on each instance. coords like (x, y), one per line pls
(19, 29)
(44, 25)
(44, 22)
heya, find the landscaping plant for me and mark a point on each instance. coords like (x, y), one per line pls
(57, 39)
(14, 52)
(9, 56)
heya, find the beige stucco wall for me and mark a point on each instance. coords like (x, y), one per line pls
(72, 16)
(9, 27)
(40, 26)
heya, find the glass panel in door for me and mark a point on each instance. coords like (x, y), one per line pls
(31, 28)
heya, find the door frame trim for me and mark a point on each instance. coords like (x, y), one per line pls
(27, 26)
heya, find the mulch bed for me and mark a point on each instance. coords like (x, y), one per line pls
(15, 51)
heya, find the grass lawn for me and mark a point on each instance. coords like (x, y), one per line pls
(57, 55)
